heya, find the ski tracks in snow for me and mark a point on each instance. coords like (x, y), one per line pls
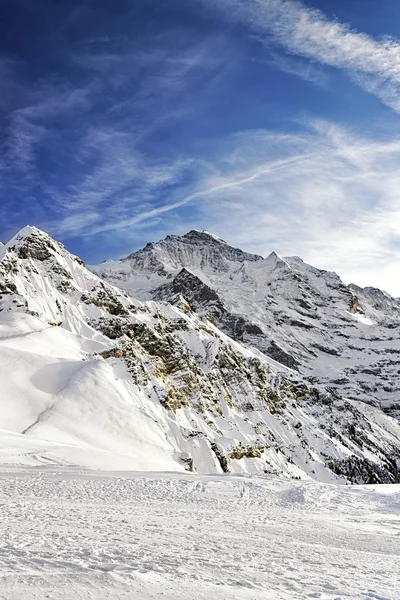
(70, 535)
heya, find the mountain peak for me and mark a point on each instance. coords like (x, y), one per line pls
(31, 242)
(203, 234)
(30, 234)
(217, 245)
(189, 249)
(27, 231)
(289, 310)
(276, 260)
(34, 243)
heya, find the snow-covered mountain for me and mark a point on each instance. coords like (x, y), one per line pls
(305, 318)
(91, 376)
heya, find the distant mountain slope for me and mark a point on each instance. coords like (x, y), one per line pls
(305, 318)
(91, 376)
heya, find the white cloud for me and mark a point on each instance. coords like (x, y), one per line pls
(331, 197)
(305, 69)
(373, 64)
(99, 128)
(27, 124)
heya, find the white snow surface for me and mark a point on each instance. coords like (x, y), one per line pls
(70, 534)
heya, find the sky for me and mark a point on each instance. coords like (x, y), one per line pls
(272, 123)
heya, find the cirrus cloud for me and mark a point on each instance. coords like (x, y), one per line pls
(374, 64)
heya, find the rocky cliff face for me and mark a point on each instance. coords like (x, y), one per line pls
(304, 318)
(85, 364)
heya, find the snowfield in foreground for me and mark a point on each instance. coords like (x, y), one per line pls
(69, 534)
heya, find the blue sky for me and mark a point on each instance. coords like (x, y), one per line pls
(272, 123)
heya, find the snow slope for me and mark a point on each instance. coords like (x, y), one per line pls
(306, 318)
(72, 534)
(92, 377)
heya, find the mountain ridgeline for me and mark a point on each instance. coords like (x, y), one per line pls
(307, 319)
(193, 355)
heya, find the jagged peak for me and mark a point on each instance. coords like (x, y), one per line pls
(205, 235)
(26, 232)
(193, 239)
(34, 243)
(186, 275)
(276, 260)
(196, 235)
(296, 259)
(30, 234)
(28, 229)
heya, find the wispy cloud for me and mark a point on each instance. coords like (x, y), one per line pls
(119, 190)
(121, 183)
(331, 197)
(307, 70)
(27, 125)
(83, 141)
(374, 64)
(124, 177)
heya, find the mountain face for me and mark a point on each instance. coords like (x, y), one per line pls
(304, 318)
(91, 376)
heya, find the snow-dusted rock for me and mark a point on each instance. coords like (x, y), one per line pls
(305, 318)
